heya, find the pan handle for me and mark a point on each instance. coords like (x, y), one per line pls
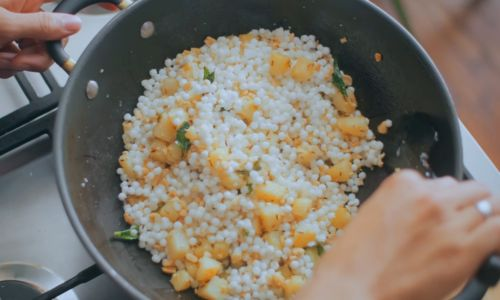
(55, 48)
(486, 277)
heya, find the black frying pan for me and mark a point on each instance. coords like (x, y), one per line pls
(88, 132)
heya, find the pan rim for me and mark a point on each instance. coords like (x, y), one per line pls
(62, 182)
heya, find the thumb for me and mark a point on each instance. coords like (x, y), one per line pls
(40, 25)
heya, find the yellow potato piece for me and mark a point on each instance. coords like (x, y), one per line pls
(342, 218)
(301, 207)
(355, 126)
(303, 69)
(270, 192)
(207, 269)
(165, 130)
(303, 236)
(274, 238)
(346, 105)
(293, 285)
(215, 289)
(181, 280)
(280, 64)
(341, 172)
(169, 86)
(172, 209)
(177, 244)
(270, 216)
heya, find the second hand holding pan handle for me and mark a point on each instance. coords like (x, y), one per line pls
(55, 48)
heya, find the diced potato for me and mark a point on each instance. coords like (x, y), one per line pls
(312, 252)
(301, 207)
(171, 154)
(293, 285)
(216, 157)
(347, 79)
(303, 236)
(285, 271)
(277, 280)
(270, 192)
(274, 238)
(346, 105)
(169, 86)
(355, 126)
(257, 226)
(342, 218)
(236, 260)
(181, 280)
(172, 209)
(280, 64)
(247, 111)
(228, 180)
(303, 69)
(126, 165)
(191, 268)
(341, 172)
(209, 40)
(187, 70)
(177, 244)
(247, 37)
(202, 248)
(215, 289)
(165, 130)
(270, 216)
(306, 154)
(207, 269)
(220, 251)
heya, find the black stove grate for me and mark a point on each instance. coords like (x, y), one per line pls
(32, 120)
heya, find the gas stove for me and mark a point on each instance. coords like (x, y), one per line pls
(39, 249)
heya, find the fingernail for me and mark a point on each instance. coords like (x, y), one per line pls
(71, 23)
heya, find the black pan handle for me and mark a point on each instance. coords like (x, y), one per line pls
(486, 277)
(55, 48)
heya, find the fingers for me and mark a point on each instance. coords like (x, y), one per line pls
(465, 194)
(486, 238)
(39, 25)
(32, 57)
(470, 218)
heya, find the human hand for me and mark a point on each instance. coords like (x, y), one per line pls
(413, 239)
(23, 32)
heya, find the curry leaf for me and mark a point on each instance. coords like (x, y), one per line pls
(130, 234)
(181, 138)
(208, 75)
(337, 78)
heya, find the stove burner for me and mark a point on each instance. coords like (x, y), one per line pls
(18, 290)
(22, 281)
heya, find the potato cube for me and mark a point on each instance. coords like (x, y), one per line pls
(172, 209)
(207, 269)
(187, 70)
(220, 251)
(247, 111)
(293, 285)
(203, 247)
(191, 268)
(126, 165)
(270, 192)
(165, 130)
(169, 154)
(236, 260)
(177, 244)
(285, 271)
(303, 236)
(247, 37)
(270, 216)
(257, 226)
(274, 239)
(306, 154)
(230, 181)
(169, 86)
(279, 64)
(342, 217)
(301, 207)
(346, 105)
(303, 69)
(341, 172)
(277, 280)
(355, 126)
(215, 289)
(181, 280)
